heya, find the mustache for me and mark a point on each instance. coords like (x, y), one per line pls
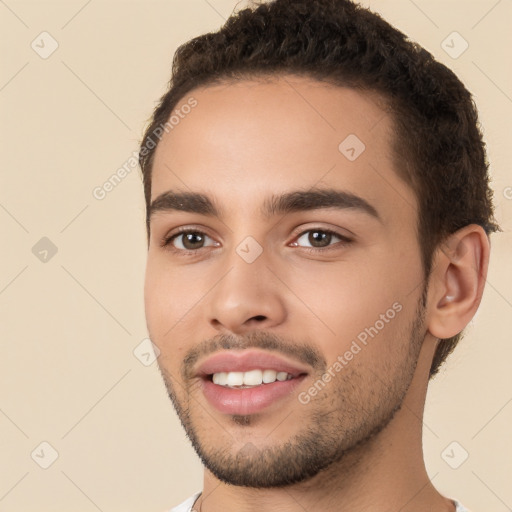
(303, 352)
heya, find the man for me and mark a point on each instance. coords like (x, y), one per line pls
(318, 218)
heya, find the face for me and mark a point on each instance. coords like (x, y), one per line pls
(283, 282)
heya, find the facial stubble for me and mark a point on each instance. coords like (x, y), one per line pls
(346, 416)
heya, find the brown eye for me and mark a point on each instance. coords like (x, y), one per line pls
(189, 240)
(192, 240)
(320, 238)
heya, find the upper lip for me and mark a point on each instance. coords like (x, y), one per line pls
(246, 360)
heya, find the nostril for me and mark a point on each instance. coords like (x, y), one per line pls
(259, 317)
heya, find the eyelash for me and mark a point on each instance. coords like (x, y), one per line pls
(167, 240)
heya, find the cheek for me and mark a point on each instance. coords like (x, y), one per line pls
(164, 297)
(154, 284)
(173, 297)
(169, 294)
(164, 307)
(352, 302)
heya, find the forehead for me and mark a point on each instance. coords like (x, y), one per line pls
(243, 140)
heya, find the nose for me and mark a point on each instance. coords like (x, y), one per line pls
(249, 296)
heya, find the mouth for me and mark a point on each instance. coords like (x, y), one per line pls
(246, 382)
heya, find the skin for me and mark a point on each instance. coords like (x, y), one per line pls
(243, 142)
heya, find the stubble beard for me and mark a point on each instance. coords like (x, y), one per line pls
(352, 410)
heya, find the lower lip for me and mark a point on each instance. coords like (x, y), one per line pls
(248, 400)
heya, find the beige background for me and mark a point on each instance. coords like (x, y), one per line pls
(70, 325)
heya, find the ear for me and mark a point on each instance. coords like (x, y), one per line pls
(459, 271)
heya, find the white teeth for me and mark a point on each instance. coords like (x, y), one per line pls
(253, 378)
(220, 378)
(269, 376)
(235, 379)
(250, 378)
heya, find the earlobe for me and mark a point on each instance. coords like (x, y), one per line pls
(459, 272)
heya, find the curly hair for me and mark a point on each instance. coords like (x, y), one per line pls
(437, 148)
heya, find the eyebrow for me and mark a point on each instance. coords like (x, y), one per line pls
(289, 202)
